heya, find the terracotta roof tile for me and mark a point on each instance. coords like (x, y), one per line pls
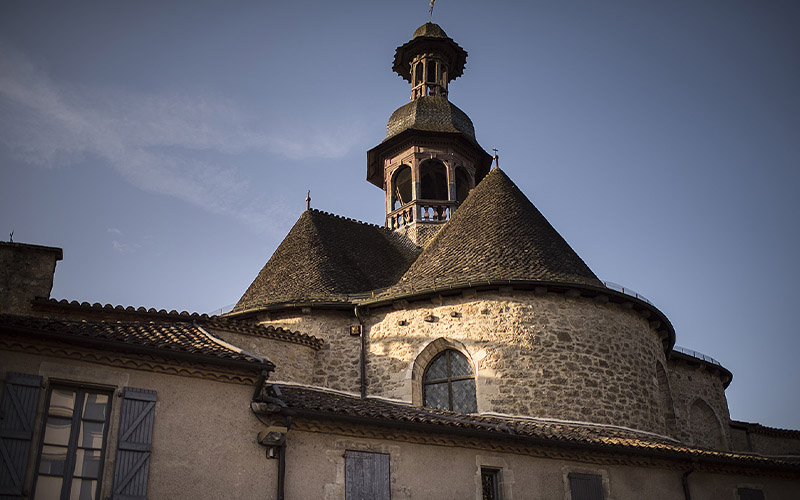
(170, 338)
(330, 405)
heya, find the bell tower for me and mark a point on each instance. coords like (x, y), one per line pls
(430, 159)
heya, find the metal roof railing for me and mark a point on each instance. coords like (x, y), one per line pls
(695, 354)
(627, 291)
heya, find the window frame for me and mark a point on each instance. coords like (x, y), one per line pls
(73, 446)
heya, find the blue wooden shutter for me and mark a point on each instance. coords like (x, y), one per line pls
(366, 476)
(135, 443)
(586, 486)
(17, 417)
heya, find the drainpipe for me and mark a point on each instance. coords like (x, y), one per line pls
(363, 354)
(282, 462)
(685, 480)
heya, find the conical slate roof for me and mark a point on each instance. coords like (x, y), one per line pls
(496, 234)
(327, 258)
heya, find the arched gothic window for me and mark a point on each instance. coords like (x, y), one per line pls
(401, 187)
(449, 383)
(433, 176)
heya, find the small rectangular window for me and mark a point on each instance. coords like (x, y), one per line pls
(366, 476)
(490, 484)
(750, 494)
(72, 451)
(586, 486)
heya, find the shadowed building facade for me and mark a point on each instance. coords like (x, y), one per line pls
(461, 350)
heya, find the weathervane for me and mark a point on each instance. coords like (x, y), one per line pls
(430, 19)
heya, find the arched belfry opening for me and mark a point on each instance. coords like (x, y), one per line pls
(433, 180)
(401, 187)
(430, 159)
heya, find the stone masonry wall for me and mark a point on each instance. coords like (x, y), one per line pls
(336, 365)
(26, 272)
(690, 384)
(543, 356)
(292, 361)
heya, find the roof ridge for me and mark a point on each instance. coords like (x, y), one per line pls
(97, 307)
(349, 219)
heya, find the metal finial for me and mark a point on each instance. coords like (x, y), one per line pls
(308, 200)
(430, 19)
(496, 158)
(11, 237)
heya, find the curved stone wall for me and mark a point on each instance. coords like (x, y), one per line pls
(539, 355)
(698, 395)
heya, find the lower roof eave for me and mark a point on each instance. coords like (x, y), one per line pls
(285, 306)
(689, 457)
(115, 346)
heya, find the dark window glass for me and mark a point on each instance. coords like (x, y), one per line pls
(490, 484)
(433, 180)
(449, 383)
(586, 486)
(750, 494)
(73, 444)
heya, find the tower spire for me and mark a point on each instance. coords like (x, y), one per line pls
(430, 159)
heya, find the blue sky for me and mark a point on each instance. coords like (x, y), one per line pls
(167, 147)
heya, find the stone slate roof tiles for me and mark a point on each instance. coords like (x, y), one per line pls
(171, 338)
(326, 258)
(496, 234)
(431, 114)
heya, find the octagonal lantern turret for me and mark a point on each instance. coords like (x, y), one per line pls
(430, 158)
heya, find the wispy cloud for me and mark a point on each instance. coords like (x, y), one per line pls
(169, 144)
(114, 230)
(123, 247)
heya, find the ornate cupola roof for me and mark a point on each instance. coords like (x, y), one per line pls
(430, 158)
(430, 38)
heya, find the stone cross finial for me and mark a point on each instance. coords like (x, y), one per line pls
(308, 200)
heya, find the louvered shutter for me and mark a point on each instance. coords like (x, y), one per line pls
(17, 417)
(366, 476)
(586, 486)
(135, 443)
